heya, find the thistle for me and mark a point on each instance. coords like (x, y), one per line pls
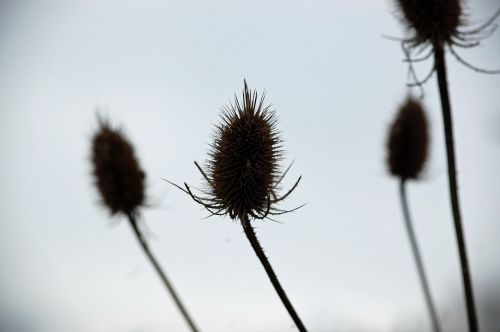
(408, 141)
(438, 25)
(432, 20)
(243, 173)
(120, 181)
(407, 149)
(117, 173)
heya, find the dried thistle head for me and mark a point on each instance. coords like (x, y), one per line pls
(436, 24)
(408, 141)
(432, 21)
(117, 173)
(243, 164)
(243, 171)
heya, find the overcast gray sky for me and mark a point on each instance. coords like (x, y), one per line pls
(162, 70)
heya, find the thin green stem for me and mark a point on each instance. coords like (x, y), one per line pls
(250, 233)
(452, 177)
(418, 259)
(163, 276)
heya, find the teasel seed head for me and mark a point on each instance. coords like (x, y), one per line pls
(408, 141)
(243, 161)
(117, 173)
(243, 172)
(432, 21)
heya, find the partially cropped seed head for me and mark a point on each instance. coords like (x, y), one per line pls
(432, 21)
(243, 163)
(408, 141)
(117, 173)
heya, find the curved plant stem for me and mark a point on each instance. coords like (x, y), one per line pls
(166, 282)
(418, 259)
(250, 233)
(455, 205)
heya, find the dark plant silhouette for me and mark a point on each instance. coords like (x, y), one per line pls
(243, 174)
(120, 180)
(436, 25)
(407, 148)
(408, 141)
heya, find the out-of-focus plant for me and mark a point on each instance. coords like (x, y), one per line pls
(120, 181)
(407, 150)
(436, 26)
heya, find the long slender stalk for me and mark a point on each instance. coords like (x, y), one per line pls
(160, 272)
(250, 233)
(452, 177)
(418, 259)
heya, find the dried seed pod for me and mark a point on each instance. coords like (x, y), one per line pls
(432, 21)
(408, 141)
(243, 164)
(243, 171)
(117, 173)
(243, 174)
(438, 24)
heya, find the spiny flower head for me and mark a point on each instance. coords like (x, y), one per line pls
(408, 141)
(117, 173)
(432, 21)
(243, 164)
(438, 25)
(243, 170)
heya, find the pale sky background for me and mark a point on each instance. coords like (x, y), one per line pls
(162, 70)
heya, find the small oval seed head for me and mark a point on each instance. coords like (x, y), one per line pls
(243, 162)
(408, 141)
(432, 21)
(117, 173)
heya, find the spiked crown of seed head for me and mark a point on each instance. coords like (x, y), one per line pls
(243, 161)
(432, 21)
(116, 170)
(408, 141)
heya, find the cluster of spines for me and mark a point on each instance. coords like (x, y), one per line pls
(243, 163)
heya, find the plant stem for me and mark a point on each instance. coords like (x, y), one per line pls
(452, 177)
(418, 259)
(163, 276)
(250, 233)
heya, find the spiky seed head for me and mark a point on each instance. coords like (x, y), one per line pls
(432, 21)
(408, 141)
(243, 162)
(117, 173)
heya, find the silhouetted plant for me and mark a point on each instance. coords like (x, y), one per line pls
(435, 25)
(243, 174)
(120, 180)
(407, 147)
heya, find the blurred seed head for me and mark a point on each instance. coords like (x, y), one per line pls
(408, 141)
(432, 21)
(117, 173)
